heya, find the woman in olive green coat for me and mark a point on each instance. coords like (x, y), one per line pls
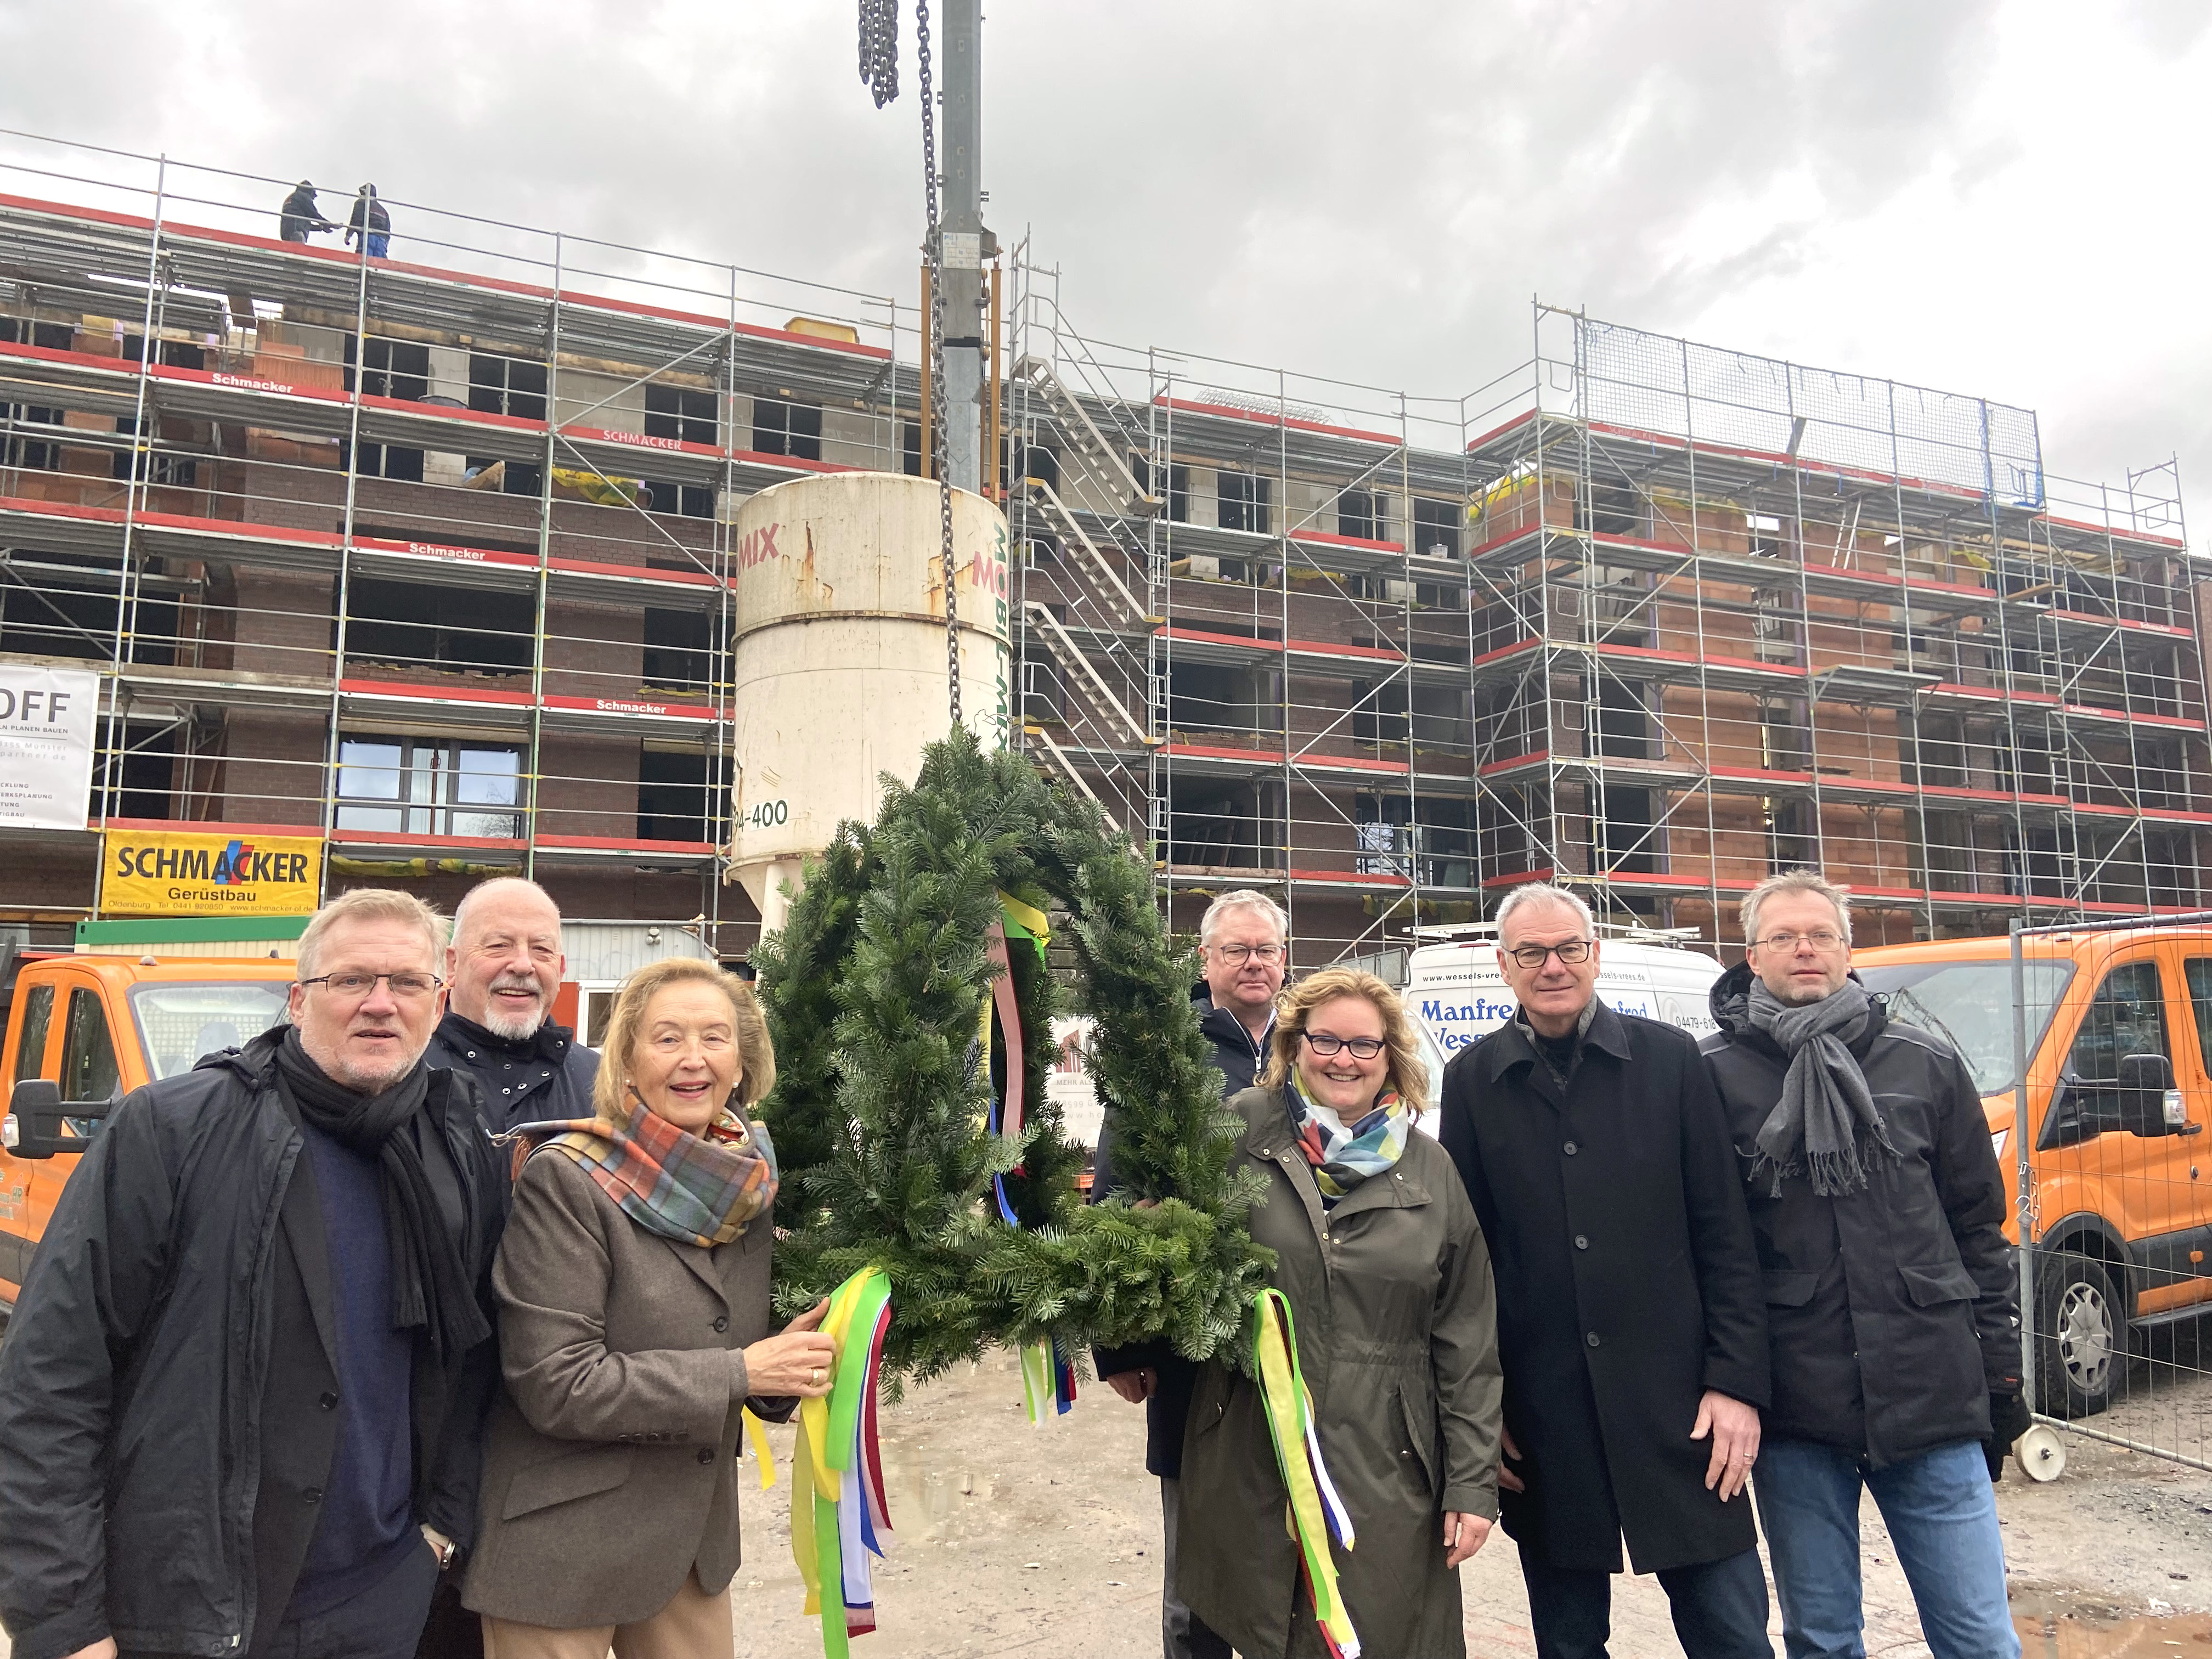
(1384, 1267)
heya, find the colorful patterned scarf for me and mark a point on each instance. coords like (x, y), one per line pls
(1342, 1158)
(696, 1189)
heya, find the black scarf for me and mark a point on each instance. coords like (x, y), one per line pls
(430, 1287)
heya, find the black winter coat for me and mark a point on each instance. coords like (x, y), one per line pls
(1627, 1285)
(300, 215)
(1238, 1059)
(132, 1381)
(546, 1075)
(1893, 1311)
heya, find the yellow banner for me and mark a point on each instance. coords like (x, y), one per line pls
(160, 873)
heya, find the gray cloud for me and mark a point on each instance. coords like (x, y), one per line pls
(1372, 192)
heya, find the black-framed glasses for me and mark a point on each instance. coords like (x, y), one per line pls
(1532, 955)
(404, 985)
(1326, 1046)
(1237, 955)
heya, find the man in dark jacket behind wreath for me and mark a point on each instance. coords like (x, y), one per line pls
(1631, 1325)
(241, 1403)
(1891, 1314)
(1243, 942)
(503, 970)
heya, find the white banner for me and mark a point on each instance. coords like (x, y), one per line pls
(48, 717)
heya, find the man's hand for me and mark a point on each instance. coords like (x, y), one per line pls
(1136, 1387)
(1733, 1427)
(1463, 1535)
(103, 1649)
(2008, 1420)
(1507, 1480)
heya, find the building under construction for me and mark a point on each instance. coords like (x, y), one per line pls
(429, 557)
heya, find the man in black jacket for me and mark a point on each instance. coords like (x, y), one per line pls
(503, 970)
(1243, 945)
(1892, 1316)
(300, 216)
(242, 1399)
(1630, 1321)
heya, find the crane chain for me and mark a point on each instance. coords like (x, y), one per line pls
(939, 455)
(879, 70)
(879, 49)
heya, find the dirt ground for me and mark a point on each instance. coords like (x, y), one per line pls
(1014, 1540)
(1019, 1541)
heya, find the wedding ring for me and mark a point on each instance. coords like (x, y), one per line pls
(815, 1381)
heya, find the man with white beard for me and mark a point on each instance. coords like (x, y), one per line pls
(503, 967)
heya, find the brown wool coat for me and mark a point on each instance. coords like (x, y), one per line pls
(1397, 1338)
(611, 1460)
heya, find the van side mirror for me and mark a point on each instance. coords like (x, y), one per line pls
(2145, 1091)
(32, 1128)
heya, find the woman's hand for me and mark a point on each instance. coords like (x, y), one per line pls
(799, 1361)
(1463, 1535)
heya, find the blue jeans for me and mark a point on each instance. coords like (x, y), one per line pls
(379, 242)
(1719, 1608)
(1941, 1513)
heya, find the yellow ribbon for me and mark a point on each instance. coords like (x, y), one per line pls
(763, 1454)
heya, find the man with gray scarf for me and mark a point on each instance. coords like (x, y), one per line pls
(1891, 1314)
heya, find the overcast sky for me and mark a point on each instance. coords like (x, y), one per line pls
(2003, 199)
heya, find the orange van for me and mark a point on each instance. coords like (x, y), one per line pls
(83, 1031)
(2119, 1033)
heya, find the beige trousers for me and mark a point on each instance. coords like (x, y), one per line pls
(693, 1625)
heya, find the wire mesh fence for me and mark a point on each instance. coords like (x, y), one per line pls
(2109, 1090)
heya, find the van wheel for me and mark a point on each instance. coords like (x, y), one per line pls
(2081, 1336)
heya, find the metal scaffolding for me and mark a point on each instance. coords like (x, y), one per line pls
(427, 555)
(1644, 616)
(430, 555)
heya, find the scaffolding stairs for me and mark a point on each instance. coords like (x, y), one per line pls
(1063, 764)
(1087, 450)
(1111, 588)
(1081, 673)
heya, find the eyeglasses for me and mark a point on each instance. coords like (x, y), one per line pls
(1821, 939)
(1237, 955)
(1532, 955)
(359, 985)
(1325, 1045)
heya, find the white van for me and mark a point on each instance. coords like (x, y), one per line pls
(1456, 995)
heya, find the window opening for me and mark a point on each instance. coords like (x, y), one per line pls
(429, 786)
(786, 429)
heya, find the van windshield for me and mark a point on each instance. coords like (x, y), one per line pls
(179, 1021)
(1970, 1004)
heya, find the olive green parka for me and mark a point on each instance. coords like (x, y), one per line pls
(1397, 1337)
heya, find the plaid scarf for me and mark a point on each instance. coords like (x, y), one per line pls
(699, 1189)
(1342, 1158)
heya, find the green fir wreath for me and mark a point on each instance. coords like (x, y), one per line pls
(873, 991)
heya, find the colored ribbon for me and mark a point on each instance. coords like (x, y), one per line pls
(763, 1454)
(1022, 921)
(838, 1515)
(1047, 1382)
(1316, 1513)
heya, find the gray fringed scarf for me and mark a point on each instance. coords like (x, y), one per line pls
(1825, 1127)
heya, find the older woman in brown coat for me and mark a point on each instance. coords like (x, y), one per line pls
(1381, 1258)
(633, 1287)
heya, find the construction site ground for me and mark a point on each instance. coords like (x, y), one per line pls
(1020, 1541)
(1013, 1541)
